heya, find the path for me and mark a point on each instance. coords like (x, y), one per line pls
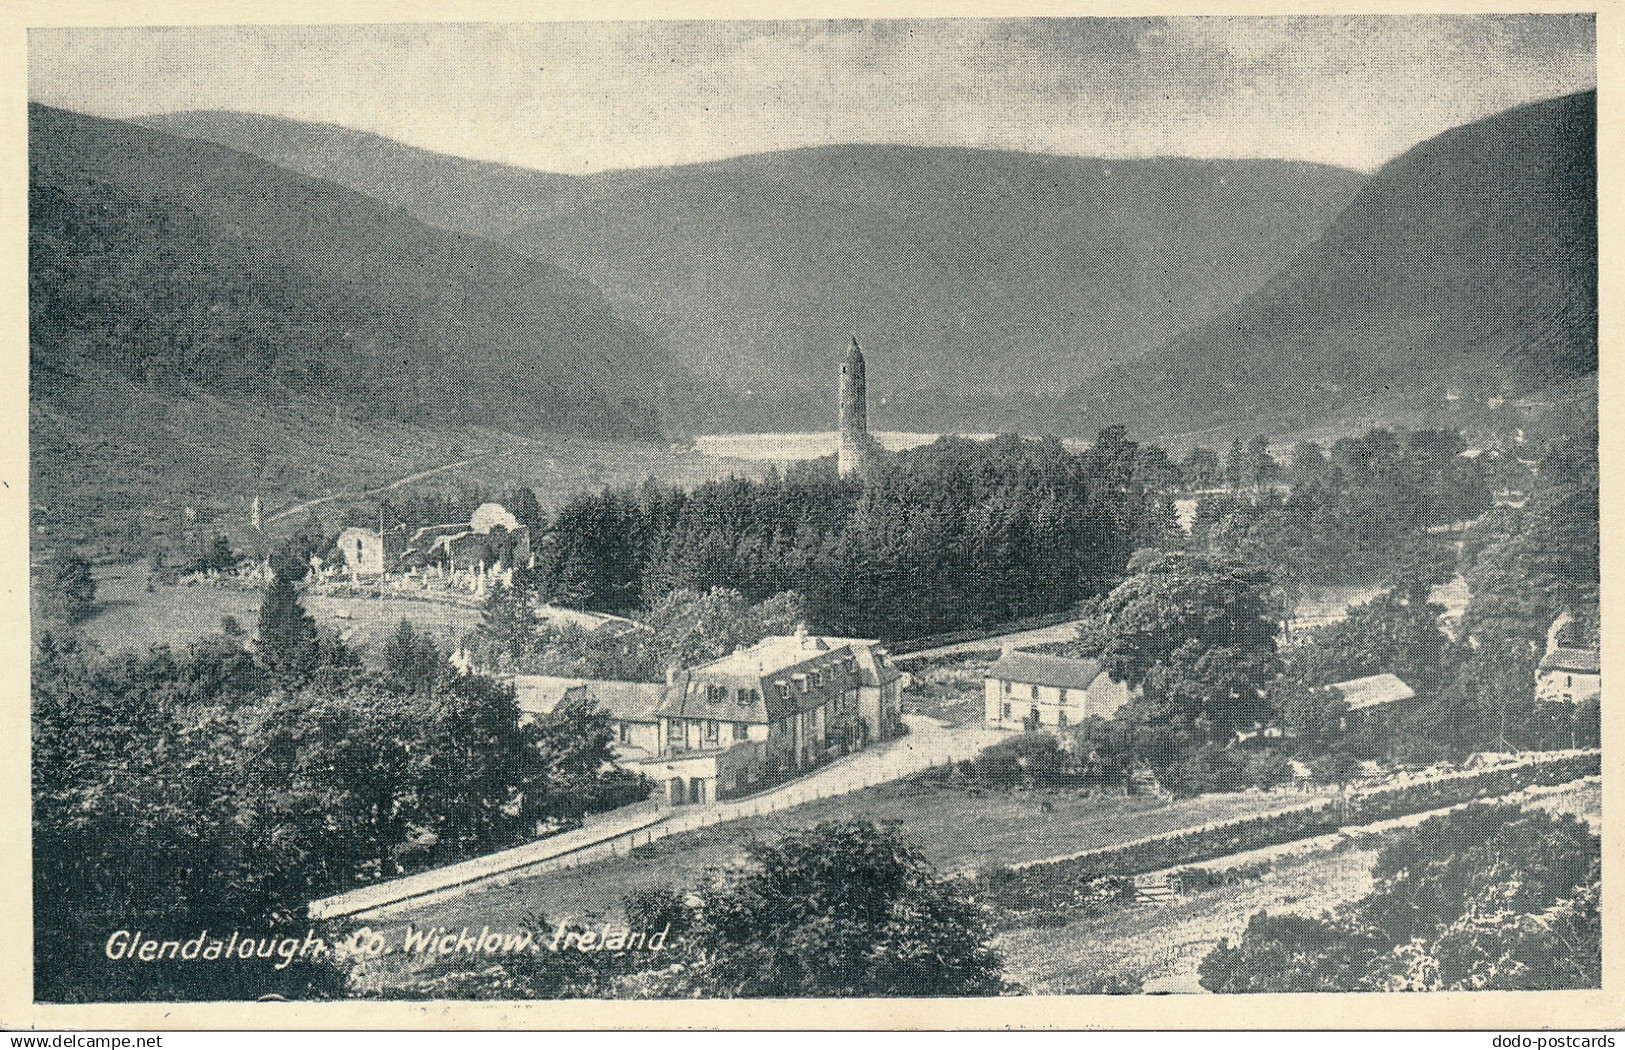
(929, 743)
(407, 480)
(1065, 631)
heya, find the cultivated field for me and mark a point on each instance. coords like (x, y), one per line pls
(957, 829)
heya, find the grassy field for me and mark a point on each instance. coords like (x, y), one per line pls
(128, 616)
(1163, 944)
(956, 828)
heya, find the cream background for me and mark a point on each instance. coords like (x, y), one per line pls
(1488, 1010)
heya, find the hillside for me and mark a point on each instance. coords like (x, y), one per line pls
(195, 268)
(1470, 260)
(970, 272)
(469, 196)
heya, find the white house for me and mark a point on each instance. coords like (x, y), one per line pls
(1033, 689)
(1567, 673)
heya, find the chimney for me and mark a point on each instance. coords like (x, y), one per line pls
(671, 674)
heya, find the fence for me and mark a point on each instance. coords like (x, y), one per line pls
(1052, 875)
(603, 841)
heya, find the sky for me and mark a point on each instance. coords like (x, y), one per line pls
(579, 97)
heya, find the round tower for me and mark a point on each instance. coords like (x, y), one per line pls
(854, 441)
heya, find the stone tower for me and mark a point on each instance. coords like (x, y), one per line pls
(852, 454)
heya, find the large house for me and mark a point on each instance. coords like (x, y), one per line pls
(783, 705)
(1033, 690)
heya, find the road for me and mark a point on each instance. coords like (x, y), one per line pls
(928, 743)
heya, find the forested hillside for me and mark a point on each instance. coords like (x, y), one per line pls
(188, 266)
(1468, 261)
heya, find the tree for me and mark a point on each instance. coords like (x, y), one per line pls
(1172, 599)
(411, 661)
(578, 771)
(1309, 464)
(1532, 562)
(1235, 465)
(1202, 469)
(1489, 896)
(66, 590)
(507, 623)
(1262, 469)
(839, 910)
(216, 555)
(1386, 635)
(1292, 953)
(287, 639)
(116, 776)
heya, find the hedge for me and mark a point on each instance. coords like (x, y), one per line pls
(1059, 879)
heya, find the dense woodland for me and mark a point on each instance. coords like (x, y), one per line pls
(218, 788)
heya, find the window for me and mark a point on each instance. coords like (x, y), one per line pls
(711, 733)
(1060, 718)
(674, 730)
(784, 690)
(1006, 710)
(1568, 681)
(745, 696)
(624, 731)
(1066, 696)
(1007, 689)
(741, 731)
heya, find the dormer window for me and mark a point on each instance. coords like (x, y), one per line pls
(784, 690)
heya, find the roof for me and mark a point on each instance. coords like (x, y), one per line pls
(1579, 661)
(1043, 669)
(779, 675)
(624, 701)
(1373, 691)
(539, 694)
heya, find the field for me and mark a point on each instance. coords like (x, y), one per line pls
(128, 616)
(1163, 944)
(956, 828)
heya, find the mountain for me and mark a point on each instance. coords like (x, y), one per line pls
(469, 196)
(1468, 261)
(192, 267)
(969, 273)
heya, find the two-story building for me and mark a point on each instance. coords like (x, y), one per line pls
(755, 716)
(1036, 690)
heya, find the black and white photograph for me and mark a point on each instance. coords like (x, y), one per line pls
(814, 509)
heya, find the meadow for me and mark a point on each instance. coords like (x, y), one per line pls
(128, 616)
(957, 828)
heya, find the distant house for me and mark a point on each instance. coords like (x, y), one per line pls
(1370, 695)
(1034, 689)
(1572, 674)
